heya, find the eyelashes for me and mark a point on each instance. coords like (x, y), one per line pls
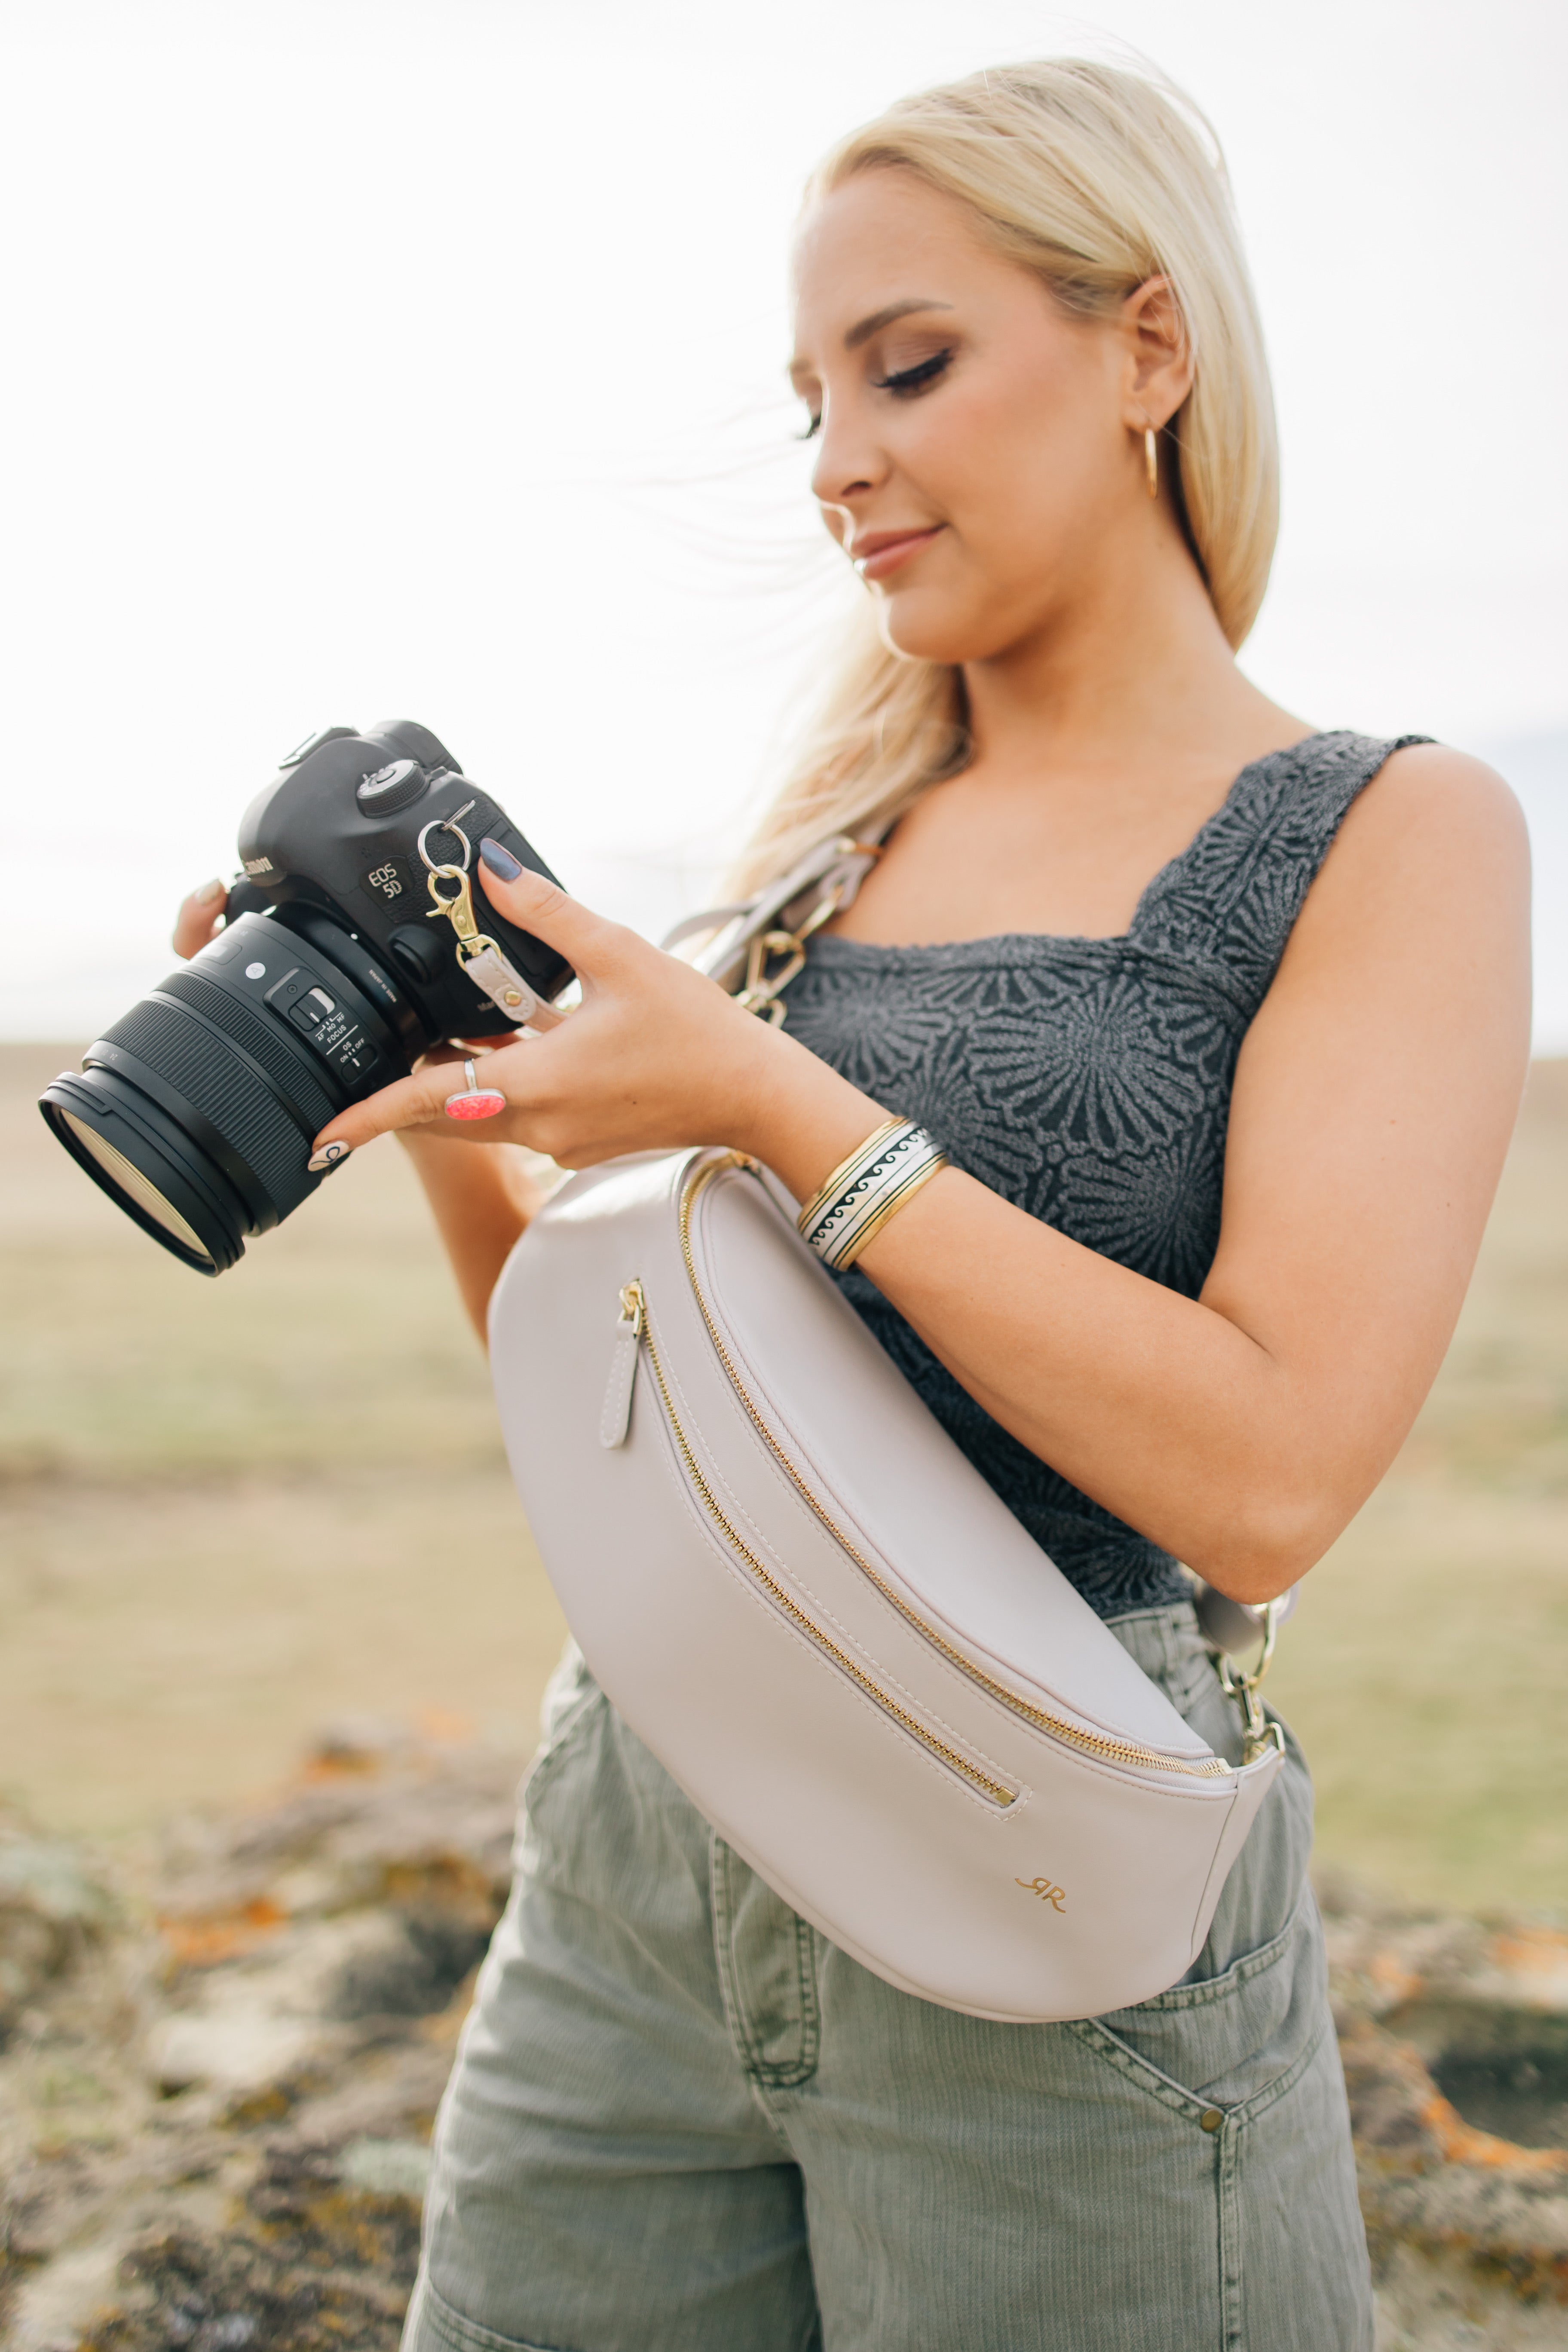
(904, 383)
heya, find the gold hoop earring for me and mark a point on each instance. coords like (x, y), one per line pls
(1152, 461)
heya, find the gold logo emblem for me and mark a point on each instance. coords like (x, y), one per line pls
(1054, 1895)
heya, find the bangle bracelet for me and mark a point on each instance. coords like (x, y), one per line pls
(866, 1189)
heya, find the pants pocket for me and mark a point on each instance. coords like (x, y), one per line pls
(1223, 2039)
(1248, 2058)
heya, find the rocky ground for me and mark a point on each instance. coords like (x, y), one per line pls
(220, 2066)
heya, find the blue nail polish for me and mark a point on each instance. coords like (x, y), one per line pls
(500, 861)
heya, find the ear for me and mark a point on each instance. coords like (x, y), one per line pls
(1158, 355)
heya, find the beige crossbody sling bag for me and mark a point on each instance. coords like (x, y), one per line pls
(816, 1614)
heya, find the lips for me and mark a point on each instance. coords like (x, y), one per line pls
(880, 552)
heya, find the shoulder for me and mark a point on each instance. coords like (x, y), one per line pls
(1430, 818)
(1429, 874)
(1431, 785)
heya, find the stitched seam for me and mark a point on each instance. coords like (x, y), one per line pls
(760, 2073)
(787, 2075)
(906, 1742)
(1209, 1989)
(1227, 2182)
(467, 2335)
(824, 1608)
(719, 1858)
(1175, 2095)
(851, 1641)
(614, 1413)
(550, 1757)
(1261, 2101)
(1137, 2069)
(960, 1685)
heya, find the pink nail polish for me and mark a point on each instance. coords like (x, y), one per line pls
(328, 1156)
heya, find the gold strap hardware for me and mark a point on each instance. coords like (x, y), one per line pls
(763, 992)
(458, 910)
(1259, 1732)
(459, 907)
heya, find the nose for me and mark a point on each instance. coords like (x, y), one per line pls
(850, 461)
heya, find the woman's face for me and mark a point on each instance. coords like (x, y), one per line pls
(977, 450)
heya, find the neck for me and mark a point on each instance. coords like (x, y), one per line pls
(1131, 664)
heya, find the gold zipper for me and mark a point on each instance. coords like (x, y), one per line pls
(1092, 1743)
(634, 1309)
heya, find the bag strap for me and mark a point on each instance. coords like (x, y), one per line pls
(759, 945)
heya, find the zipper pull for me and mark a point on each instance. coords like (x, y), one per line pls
(616, 1419)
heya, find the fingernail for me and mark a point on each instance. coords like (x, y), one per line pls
(500, 861)
(327, 1157)
(208, 892)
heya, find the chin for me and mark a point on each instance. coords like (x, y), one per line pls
(922, 627)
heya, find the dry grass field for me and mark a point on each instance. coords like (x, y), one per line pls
(234, 1510)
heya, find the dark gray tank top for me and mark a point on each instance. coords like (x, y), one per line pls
(1088, 1082)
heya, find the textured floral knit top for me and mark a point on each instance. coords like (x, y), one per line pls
(1088, 1082)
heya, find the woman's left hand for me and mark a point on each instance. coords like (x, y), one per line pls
(655, 1057)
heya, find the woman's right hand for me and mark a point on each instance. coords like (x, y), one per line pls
(197, 920)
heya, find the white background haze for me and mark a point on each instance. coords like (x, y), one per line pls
(424, 359)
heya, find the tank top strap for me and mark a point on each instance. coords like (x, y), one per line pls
(1232, 896)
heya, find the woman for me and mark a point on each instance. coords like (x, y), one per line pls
(1223, 1023)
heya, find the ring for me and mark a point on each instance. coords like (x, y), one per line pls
(475, 1101)
(444, 824)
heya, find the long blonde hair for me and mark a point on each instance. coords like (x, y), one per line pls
(1096, 178)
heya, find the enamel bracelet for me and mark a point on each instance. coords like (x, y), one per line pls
(864, 1191)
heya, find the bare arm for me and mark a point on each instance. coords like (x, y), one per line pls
(1374, 1101)
(1372, 1105)
(480, 1200)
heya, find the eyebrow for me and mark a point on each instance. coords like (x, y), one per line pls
(880, 319)
(867, 328)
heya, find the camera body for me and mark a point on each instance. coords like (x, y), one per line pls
(337, 835)
(357, 938)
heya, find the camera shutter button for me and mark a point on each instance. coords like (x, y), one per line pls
(389, 789)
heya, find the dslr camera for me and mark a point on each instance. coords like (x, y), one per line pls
(357, 938)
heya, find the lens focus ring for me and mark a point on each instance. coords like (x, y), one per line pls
(211, 1078)
(292, 1068)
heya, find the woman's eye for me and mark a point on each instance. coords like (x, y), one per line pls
(904, 383)
(813, 428)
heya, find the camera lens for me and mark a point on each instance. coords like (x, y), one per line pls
(137, 1188)
(197, 1110)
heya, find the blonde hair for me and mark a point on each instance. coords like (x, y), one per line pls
(1096, 178)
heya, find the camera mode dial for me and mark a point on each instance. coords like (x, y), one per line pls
(391, 788)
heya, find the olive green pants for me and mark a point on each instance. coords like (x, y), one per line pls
(681, 2121)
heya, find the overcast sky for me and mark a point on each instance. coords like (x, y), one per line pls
(424, 359)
